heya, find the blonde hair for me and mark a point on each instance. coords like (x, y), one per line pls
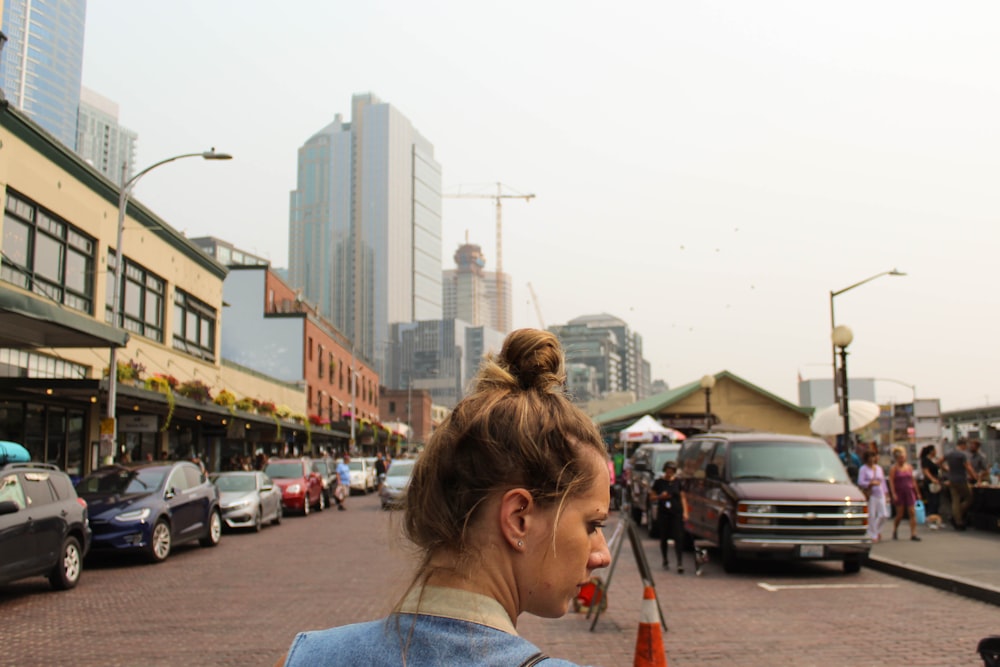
(516, 429)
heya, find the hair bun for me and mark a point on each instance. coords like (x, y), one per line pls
(535, 359)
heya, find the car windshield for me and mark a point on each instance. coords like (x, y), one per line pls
(123, 481)
(284, 470)
(236, 482)
(786, 461)
(662, 456)
(320, 467)
(400, 469)
(356, 465)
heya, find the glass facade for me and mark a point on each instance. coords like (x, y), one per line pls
(42, 63)
(47, 255)
(365, 225)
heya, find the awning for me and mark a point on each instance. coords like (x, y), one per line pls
(28, 321)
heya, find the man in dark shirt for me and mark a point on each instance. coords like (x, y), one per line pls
(978, 463)
(670, 513)
(959, 473)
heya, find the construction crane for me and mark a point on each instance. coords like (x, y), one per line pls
(498, 198)
(538, 308)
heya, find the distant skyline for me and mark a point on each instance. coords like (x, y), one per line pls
(706, 172)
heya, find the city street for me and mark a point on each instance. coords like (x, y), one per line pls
(242, 602)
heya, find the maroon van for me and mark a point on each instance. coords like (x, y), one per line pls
(767, 495)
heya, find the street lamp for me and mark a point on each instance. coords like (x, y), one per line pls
(833, 323)
(842, 337)
(707, 383)
(126, 190)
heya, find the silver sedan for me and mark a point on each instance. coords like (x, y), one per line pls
(248, 499)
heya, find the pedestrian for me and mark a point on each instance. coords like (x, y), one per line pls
(670, 514)
(380, 470)
(978, 462)
(505, 505)
(904, 491)
(871, 481)
(343, 482)
(959, 473)
(931, 484)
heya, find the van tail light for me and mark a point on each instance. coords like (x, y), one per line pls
(83, 503)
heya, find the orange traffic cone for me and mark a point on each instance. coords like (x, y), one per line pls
(649, 651)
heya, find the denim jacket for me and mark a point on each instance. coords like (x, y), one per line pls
(436, 626)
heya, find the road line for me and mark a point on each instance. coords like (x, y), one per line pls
(773, 588)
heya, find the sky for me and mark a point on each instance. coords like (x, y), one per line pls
(707, 172)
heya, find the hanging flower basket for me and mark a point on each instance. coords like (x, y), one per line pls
(195, 390)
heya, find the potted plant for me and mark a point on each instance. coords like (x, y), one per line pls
(195, 390)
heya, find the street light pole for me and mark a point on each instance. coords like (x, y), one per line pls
(833, 322)
(842, 337)
(123, 195)
(707, 383)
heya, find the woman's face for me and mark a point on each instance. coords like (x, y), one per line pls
(900, 456)
(567, 553)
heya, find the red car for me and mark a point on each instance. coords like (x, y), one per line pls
(301, 488)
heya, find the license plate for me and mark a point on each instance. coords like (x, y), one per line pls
(811, 551)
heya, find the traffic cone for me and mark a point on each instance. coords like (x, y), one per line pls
(649, 651)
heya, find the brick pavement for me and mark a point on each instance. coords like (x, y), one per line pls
(241, 604)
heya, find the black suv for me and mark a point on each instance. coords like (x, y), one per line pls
(647, 465)
(43, 525)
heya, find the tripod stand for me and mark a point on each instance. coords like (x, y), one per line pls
(625, 528)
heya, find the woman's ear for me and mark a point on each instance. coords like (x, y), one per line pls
(515, 509)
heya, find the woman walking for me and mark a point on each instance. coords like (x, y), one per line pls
(505, 506)
(871, 481)
(904, 492)
(931, 489)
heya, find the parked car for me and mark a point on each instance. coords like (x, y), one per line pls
(43, 525)
(766, 495)
(363, 477)
(150, 507)
(301, 487)
(327, 470)
(396, 480)
(248, 499)
(647, 465)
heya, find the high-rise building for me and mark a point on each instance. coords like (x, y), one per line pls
(101, 140)
(42, 63)
(365, 225)
(470, 292)
(608, 345)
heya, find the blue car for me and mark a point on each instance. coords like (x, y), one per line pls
(149, 507)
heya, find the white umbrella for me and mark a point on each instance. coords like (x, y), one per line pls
(829, 420)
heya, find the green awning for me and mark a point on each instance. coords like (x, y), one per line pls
(29, 321)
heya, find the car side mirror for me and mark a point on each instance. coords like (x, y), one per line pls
(267, 487)
(9, 507)
(171, 492)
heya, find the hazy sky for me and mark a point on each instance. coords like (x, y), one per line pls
(708, 172)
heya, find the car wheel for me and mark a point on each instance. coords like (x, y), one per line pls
(66, 573)
(305, 505)
(322, 502)
(214, 531)
(277, 515)
(852, 565)
(258, 520)
(160, 543)
(729, 561)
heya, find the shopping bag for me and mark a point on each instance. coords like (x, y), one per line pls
(920, 512)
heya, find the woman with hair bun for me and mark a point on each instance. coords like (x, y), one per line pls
(506, 506)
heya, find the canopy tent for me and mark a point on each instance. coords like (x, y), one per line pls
(830, 420)
(648, 429)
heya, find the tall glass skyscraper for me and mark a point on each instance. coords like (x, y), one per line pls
(42, 62)
(101, 140)
(365, 225)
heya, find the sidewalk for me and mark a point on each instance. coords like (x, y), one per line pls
(967, 563)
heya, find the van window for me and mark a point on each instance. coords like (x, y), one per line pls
(695, 456)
